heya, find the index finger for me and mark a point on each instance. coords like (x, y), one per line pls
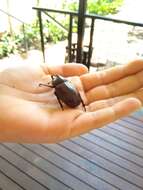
(92, 120)
(68, 69)
(92, 80)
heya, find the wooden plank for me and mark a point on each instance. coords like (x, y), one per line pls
(128, 147)
(130, 126)
(66, 165)
(111, 157)
(123, 137)
(137, 115)
(56, 172)
(8, 184)
(125, 130)
(18, 176)
(134, 121)
(100, 141)
(93, 168)
(42, 180)
(108, 171)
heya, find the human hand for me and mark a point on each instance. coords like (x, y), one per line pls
(32, 114)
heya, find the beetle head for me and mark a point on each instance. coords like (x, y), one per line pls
(56, 79)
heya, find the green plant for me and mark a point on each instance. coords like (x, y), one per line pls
(30, 37)
(30, 34)
(7, 45)
(51, 33)
(54, 33)
(70, 5)
(18, 41)
(101, 7)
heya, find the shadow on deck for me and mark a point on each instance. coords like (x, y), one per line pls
(105, 159)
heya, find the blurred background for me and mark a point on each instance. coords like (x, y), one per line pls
(113, 43)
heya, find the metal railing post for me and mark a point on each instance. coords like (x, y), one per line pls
(25, 38)
(90, 43)
(41, 34)
(70, 38)
(80, 34)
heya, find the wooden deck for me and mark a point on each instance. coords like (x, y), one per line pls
(110, 158)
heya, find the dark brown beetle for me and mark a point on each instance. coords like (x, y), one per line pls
(65, 92)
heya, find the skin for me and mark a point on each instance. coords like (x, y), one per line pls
(31, 114)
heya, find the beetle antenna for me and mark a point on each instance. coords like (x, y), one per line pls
(46, 85)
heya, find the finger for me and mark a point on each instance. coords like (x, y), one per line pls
(110, 75)
(100, 104)
(138, 94)
(46, 97)
(92, 120)
(121, 87)
(66, 70)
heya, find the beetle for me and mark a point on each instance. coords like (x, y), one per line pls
(65, 92)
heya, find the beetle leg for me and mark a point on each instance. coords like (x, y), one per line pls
(82, 102)
(46, 85)
(59, 101)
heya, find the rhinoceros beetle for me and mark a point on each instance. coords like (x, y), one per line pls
(65, 92)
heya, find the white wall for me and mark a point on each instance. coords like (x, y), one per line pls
(22, 9)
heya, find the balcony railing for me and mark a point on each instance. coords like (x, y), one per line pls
(23, 27)
(76, 51)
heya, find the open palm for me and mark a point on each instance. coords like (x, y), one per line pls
(30, 113)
